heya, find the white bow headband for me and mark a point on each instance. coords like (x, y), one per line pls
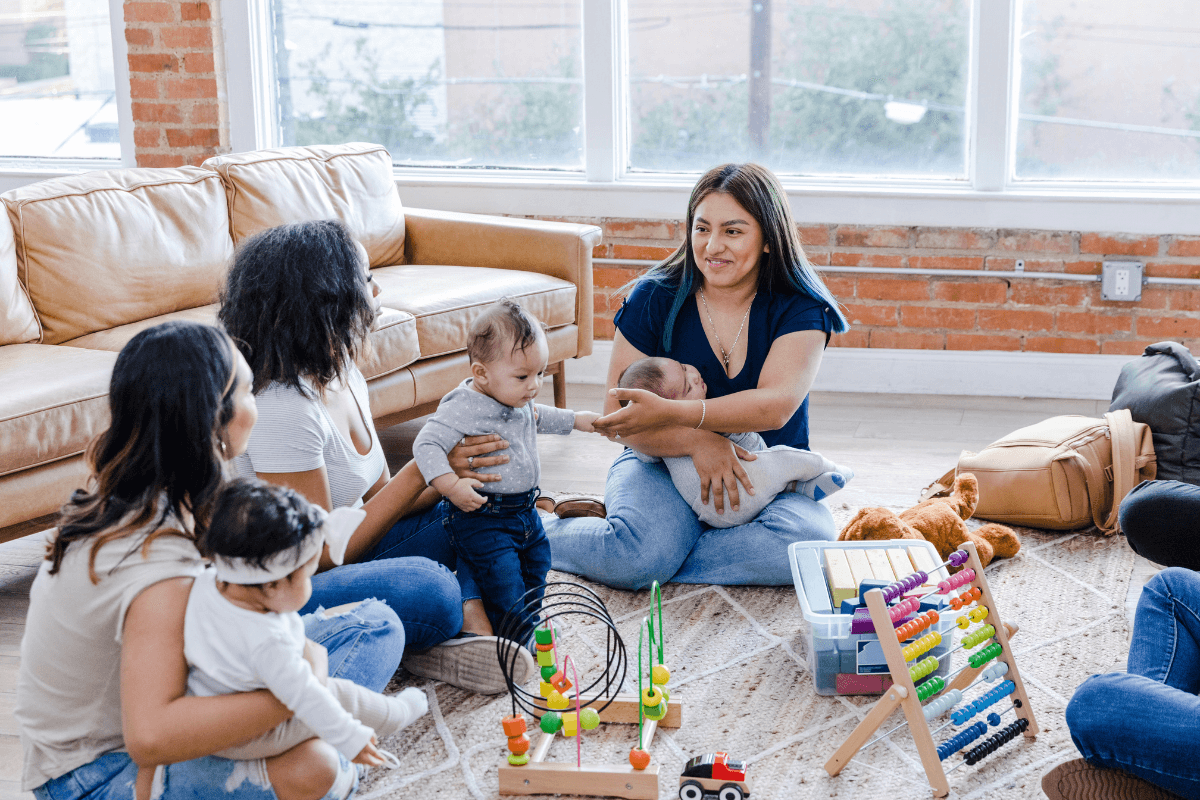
(335, 531)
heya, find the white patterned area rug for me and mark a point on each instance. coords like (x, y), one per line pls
(738, 665)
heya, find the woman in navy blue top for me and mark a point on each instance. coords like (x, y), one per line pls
(739, 302)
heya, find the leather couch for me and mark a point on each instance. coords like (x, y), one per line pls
(88, 261)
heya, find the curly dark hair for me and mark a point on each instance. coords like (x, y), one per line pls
(295, 303)
(253, 520)
(170, 397)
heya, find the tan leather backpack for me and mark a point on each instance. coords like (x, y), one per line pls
(1062, 474)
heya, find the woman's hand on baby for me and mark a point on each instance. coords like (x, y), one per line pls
(472, 453)
(644, 411)
(584, 420)
(369, 756)
(318, 658)
(462, 492)
(719, 465)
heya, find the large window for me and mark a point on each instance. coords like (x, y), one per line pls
(456, 83)
(57, 96)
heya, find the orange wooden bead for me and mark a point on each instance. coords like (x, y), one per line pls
(519, 744)
(639, 759)
(559, 681)
(545, 647)
(514, 725)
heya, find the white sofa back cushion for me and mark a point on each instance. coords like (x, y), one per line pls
(17, 321)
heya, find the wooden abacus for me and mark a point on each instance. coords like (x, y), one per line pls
(906, 694)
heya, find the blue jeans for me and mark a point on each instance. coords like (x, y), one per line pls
(1161, 522)
(364, 644)
(1147, 721)
(652, 534)
(503, 545)
(410, 570)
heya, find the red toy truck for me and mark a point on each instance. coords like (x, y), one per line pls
(713, 775)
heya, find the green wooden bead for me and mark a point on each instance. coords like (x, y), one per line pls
(589, 718)
(545, 658)
(548, 672)
(551, 722)
(518, 760)
(656, 712)
(543, 636)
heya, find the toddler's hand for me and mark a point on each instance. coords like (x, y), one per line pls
(584, 420)
(463, 494)
(369, 756)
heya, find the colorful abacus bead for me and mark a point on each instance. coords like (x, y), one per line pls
(589, 719)
(985, 655)
(958, 558)
(996, 741)
(660, 675)
(995, 671)
(993, 719)
(977, 614)
(551, 722)
(943, 704)
(929, 688)
(978, 636)
(922, 668)
(961, 740)
(639, 759)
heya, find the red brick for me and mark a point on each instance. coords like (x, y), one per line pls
(1079, 267)
(198, 62)
(1060, 344)
(1118, 244)
(1031, 265)
(869, 315)
(841, 287)
(1035, 241)
(1160, 269)
(193, 137)
(854, 236)
(818, 259)
(1094, 323)
(1151, 299)
(1122, 348)
(839, 259)
(892, 289)
(159, 160)
(954, 239)
(1187, 246)
(613, 277)
(1037, 293)
(813, 236)
(945, 262)
(193, 12)
(993, 292)
(850, 339)
(640, 229)
(601, 251)
(605, 303)
(154, 112)
(143, 88)
(905, 340)
(198, 38)
(1004, 319)
(603, 328)
(196, 159)
(926, 317)
(139, 37)
(975, 341)
(153, 62)
(188, 88)
(642, 252)
(1180, 299)
(201, 114)
(1167, 327)
(147, 137)
(149, 12)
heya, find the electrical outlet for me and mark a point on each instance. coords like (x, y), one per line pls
(1121, 280)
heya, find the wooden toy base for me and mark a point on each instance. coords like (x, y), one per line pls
(609, 780)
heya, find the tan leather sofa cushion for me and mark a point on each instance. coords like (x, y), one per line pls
(17, 320)
(61, 404)
(446, 300)
(349, 182)
(109, 248)
(392, 343)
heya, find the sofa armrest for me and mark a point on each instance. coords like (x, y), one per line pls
(559, 249)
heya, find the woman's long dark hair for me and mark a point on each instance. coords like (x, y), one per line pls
(295, 303)
(170, 397)
(784, 267)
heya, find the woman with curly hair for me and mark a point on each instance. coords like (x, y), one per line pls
(299, 302)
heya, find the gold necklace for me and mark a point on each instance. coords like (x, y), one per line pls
(725, 356)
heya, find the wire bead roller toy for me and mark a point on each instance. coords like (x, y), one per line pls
(925, 699)
(568, 706)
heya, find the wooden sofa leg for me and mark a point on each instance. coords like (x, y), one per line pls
(558, 375)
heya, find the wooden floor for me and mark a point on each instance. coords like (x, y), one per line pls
(896, 445)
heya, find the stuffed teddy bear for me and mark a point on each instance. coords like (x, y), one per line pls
(940, 520)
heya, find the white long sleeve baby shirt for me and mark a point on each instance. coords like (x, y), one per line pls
(232, 649)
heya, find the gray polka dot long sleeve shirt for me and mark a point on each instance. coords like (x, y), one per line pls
(466, 412)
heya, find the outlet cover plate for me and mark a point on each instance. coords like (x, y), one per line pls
(1122, 281)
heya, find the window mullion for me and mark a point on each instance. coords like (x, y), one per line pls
(993, 80)
(603, 82)
(120, 55)
(247, 35)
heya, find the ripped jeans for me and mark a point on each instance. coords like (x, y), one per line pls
(364, 644)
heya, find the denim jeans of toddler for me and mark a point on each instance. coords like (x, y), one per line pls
(1146, 721)
(504, 546)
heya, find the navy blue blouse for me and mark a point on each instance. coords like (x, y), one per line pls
(643, 315)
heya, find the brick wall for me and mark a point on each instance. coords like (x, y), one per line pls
(963, 313)
(177, 81)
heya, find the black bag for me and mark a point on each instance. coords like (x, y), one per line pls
(1162, 389)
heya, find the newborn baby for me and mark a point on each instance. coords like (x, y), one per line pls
(777, 469)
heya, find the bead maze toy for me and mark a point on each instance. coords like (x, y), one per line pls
(559, 710)
(992, 661)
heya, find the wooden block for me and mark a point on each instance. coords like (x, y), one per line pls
(609, 780)
(815, 590)
(901, 564)
(881, 568)
(842, 585)
(624, 709)
(860, 566)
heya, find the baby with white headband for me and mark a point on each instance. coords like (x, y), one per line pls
(242, 632)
